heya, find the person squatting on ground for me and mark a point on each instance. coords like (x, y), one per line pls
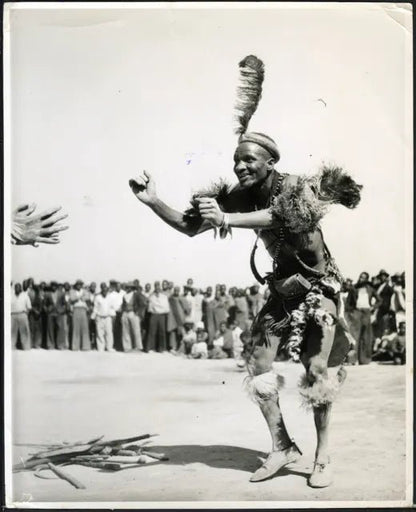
(300, 316)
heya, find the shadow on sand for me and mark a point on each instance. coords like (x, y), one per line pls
(218, 456)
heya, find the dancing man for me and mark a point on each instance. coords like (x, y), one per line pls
(300, 317)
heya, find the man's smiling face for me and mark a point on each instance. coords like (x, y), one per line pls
(252, 164)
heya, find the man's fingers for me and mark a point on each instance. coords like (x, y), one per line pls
(47, 240)
(46, 213)
(31, 209)
(52, 230)
(21, 208)
(26, 208)
(137, 185)
(147, 175)
(207, 208)
(53, 220)
(206, 200)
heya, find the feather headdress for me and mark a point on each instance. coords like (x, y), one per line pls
(248, 91)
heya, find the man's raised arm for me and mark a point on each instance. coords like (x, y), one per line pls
(144, 188)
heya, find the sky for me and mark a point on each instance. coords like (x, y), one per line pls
(99, 94)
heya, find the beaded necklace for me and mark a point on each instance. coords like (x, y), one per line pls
(275, 190)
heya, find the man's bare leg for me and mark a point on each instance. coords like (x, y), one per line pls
(264, 386)
(321, 416)
(320, 342)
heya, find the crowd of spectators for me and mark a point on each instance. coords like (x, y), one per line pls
(129, 317)
(375, 311)
(187, 320)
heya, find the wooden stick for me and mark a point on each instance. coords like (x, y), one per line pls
(127, 440)
(128, 453)
(112, 466)
(65, 476)
(127, 460)
(66, 450)
(155, 455)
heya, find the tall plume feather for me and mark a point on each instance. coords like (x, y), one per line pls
(248, 91)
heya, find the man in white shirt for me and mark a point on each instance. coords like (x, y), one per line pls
(130, 321)
(158, 314)
(366, 301)
(102, 314)
(20, 307)
(116, 295)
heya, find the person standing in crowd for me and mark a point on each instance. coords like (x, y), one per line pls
(366, 301)
(20, 308)
(347, 315)
(189, 301)
(165, 287)
(116, 296)
(222, 305)
(63, 309)
(130, 321)
(383, 313)
(136, 283)
(197, 304)
(208, 315)
(102, 314)
(176, 319)
(43, 292)
(147, 290)
(67, 292)
(145, 326)
(56, 310)
(188, 286)
(141, 305)
(28, 287)
(241, 309)
(398, 299)
(92, 292)
(36, 315)
(158, 315)
(255, 301)
(79, 299)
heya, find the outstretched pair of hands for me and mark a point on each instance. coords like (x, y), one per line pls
(144, 188)
(43, 228)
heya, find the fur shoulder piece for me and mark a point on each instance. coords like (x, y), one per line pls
(230, 198)
(301, 205)
(217, 190)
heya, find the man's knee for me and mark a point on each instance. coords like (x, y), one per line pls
(316, 370)
(263, 382)
(320, 387)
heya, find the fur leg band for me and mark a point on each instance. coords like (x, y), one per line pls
(324, 390)
(264, 387)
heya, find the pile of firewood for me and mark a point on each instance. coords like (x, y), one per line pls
(111, 455)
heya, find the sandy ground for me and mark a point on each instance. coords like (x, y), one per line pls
(213, 434)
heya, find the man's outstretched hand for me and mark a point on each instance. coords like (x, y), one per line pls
(43, 228)
(144, 188)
